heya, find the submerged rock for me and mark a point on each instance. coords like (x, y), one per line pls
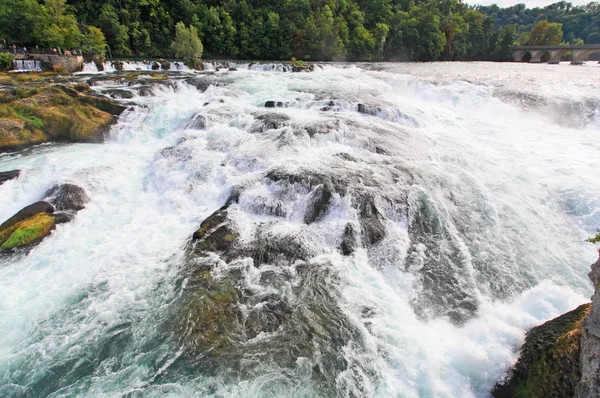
(549, 364)
(274, 104)
(215, 234)
(8, 175)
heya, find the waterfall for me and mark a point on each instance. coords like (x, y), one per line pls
(387, 231)
(27, 65)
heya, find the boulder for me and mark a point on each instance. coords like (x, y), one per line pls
(549, 361)
(348, 244)
(368, 109)
(28, 227)
(8, 175)
(67, 197)
(318, 204)
(269, 121)
(198, 122)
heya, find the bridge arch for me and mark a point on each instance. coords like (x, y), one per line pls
(595, 56)
(553, 54)
(526, 57)
(545, 57)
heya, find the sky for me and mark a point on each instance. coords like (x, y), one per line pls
(528, 3)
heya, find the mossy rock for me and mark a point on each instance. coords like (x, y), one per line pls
(208, 318)
(549, 364)
(38, 112)
(27, 231)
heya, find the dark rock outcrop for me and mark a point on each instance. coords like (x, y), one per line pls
(215, 234)
(8, 175)
(67, 197)
(549, 363)
(368, 109)
(348, 244)
(318, 204)
(589, 385)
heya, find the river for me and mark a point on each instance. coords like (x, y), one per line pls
(466, 191)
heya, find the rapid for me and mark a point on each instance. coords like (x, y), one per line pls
(412, 222)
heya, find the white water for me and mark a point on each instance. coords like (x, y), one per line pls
(515, 190)
(25, 65)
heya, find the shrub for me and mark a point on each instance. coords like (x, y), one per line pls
(6, 62)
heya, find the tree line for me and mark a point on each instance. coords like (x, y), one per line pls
(353, 30)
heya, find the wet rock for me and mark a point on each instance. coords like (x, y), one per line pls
(8, 175)
(28, 227)
(67, 197)
(267, 316)
(318, 204)
(348, 244)
(215, 234)
(371, 220)
(269, 121)
(232, 70)
(198, 122)
(549, 361)
(119, 94)
(270, 248)
(274, 104)
(63, 217)
(104, 104)
(589, 385)
(368, 109)
(155, 66)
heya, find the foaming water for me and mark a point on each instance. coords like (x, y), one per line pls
(488, 198)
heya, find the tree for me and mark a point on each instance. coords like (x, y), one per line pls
(20, 21)
(545, 33)
(94, 41)
(187, 44)
(61, 28)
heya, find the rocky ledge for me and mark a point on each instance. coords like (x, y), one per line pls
(560, 358)
(39, 108)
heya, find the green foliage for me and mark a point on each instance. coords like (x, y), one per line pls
(187, 44)
(94, 41)
(6, 62)
(594, 239)
(355, 30)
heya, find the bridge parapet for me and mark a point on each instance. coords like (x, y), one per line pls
(555, 53)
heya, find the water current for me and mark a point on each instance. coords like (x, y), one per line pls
(396, 229)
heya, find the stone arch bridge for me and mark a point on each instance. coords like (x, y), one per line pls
(552, 54)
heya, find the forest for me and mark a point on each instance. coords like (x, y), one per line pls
(352, 30)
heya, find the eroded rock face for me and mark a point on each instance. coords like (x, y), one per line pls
(589, 386)
(549, 365)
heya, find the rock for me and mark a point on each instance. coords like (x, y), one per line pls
(29, 226)
(165, 65)
(198, 122)
(368, 109)
(274, 104)
(67, 197)
(348, 244)
(215, 234)
(82, 87)
(318, 204)
(8, 175)
(269, 121)
(119, 94)
(549, 363)
(373, 228)
(232, 70)
(104, 104)
(155, 66)
(589, 385)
